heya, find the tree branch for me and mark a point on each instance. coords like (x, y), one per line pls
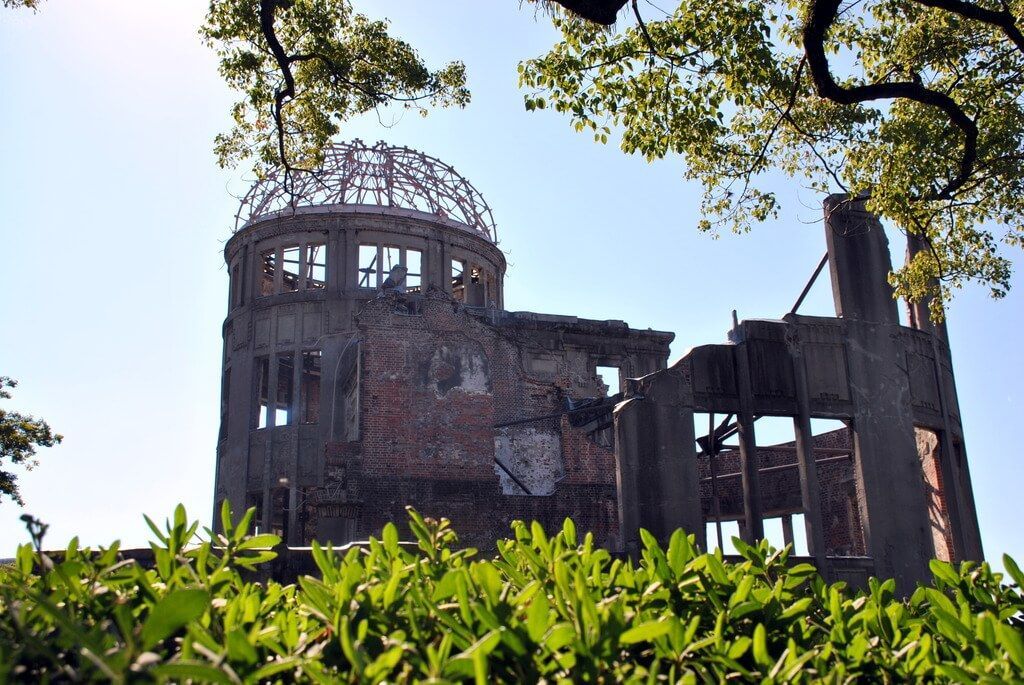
(1003, 20)
(819, 21)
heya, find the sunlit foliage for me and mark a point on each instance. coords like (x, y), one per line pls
(547, 608)
(305, 67)
(915, 104)
(20, 435)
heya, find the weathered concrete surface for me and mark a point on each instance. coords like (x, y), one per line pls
(656, 466)
(886, 382)
(533, 456)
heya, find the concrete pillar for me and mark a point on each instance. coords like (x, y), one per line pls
(656, 465)
(336, 271)
(894, 507)
(957, 494)
(787, 529)
(810, 497)
(753, 528)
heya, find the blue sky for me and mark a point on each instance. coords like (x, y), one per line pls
(114, 216)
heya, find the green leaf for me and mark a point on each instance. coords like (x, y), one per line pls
(645, 632)
(1014, 570)
(537, 617)
(760, 644)
(797, 608)
(390, 538)
(264, 541)
(193, 670)
(944, 572)
(172, 612)
(239, 647)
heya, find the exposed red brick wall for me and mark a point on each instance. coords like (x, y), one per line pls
(427, 431)
(928, 450)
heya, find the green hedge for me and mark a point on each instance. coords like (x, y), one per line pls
(551, 608)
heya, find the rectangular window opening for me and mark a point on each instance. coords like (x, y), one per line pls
(788, 529)
(800, 535)
(779, 476)
(254, 498)
(718, 465)
(310, 389)
(290, 269)
(262, 379)
(268, 268)
(369, 269)
(283, 400)
(316, 266)
(345, 409)
(475, 290)
(610, 377)
(730, 530)
(392, 257)
(414, 276)
(459, 280)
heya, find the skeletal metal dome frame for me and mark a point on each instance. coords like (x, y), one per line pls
(382, 175)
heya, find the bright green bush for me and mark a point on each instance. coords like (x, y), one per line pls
(545, 608)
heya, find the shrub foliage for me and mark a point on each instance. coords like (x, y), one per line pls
(551, 608)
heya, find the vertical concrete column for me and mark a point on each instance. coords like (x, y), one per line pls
(336, 271)
(255, 269)
(957, 494)
(278, 269)
(894, 506)
(294, 534)
(351, 272)
(445, 267)
(433, 269)
(787, 529)
(303, 247)
(810, 496)
(656, 464)
(753, 528)
(627, 461)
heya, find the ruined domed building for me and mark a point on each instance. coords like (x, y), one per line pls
(370, 364)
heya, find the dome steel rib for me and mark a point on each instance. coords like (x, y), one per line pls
(356, 174)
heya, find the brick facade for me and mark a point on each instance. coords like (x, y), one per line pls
(433, 386)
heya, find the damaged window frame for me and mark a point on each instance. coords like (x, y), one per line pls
(267, 282)
(376, 257)
(261, 392)
(472, 281)
(291, 268)
(347, 404)
(456, 278)
(300, 265)
(284, 395)
(314, 271)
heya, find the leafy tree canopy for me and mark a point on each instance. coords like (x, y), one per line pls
(19, 437)
(916, 103)
(303, 67)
